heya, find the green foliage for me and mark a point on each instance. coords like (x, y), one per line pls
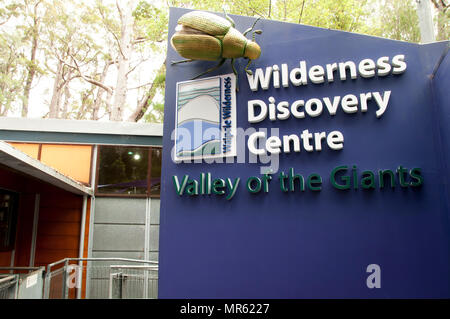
(160, 79)
(443, 25)
(398, 20)
(15, 60)
(151, 24)
(343, 15)
(155, 113)
(11, 71)
(241, 7)
(12, 65)
(9, 9)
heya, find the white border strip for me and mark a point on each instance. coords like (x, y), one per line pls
(81, 126)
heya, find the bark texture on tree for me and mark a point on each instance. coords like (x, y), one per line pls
(57, 91)
(123, 65)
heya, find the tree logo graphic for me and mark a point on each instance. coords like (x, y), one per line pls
(205, 121)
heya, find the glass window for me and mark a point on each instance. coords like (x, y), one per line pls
(8, 219)
(122, 170)
(155, 173)
(128, 171)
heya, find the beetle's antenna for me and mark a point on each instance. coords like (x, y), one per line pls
(255, 32)
(247, 31)
(251, 28)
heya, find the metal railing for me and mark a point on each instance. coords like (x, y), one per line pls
(12, 270)
(138, 281)
(9, 287)
(21, 282)
(100, 278)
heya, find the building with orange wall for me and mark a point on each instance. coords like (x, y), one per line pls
(78, 189)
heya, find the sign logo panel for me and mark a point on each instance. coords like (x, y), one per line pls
(205, 120)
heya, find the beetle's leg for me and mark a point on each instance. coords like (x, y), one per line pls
(249, 72)
(251, 28)
(235, 73)
(233, 67)
(181, 61)
(211, 69)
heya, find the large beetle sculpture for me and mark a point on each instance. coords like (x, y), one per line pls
(205, 36)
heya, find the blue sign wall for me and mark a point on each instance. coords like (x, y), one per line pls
(318, 244)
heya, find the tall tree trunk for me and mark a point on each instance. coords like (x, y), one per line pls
(32, 63)
(109, 95)
(3, 110)
(125, 48)
(65, 108)
(143, 104)
(57, 91)
(100, 92)
(3, 106)
(442, 20)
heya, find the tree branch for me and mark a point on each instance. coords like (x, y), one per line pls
(137, 64)
(120, 12)
(141, 40)
(301, 12)
(140, 86)
(143, 104)
(87, 78)
(112, 31)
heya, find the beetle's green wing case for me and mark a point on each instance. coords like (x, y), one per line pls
(206, 22)
(197, 46)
